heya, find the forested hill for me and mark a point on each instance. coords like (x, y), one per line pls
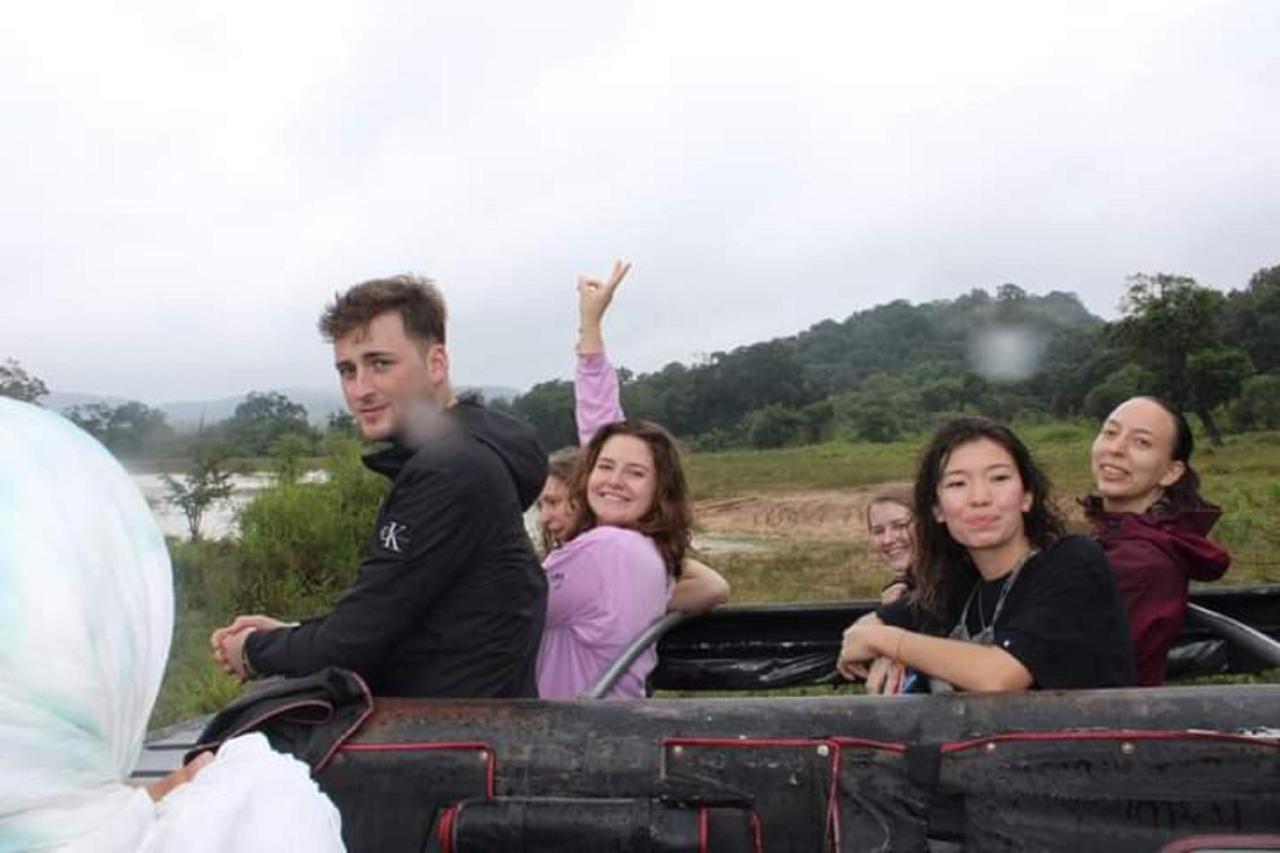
(899, 367)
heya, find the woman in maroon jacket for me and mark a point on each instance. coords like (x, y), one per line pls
(1149, 518)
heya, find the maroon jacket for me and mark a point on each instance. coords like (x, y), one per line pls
(1153, 557)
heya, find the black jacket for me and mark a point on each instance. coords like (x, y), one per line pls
(450, 599)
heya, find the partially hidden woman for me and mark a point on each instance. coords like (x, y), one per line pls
(1003, 600)
(1152, 523)
(617, 521)
(87, 614)
(891, 527)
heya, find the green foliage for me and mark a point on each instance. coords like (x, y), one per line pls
(1215, 375)
(301, 542)
(204, 576)
(207, 484)
(261, 419)
(1132, 380)
(17, 383)
(1253, 319)
(1173, 326)
(128, 430)
(1259, 404)
(775, 426)
(288, 453)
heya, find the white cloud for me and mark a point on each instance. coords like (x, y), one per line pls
(185, 186)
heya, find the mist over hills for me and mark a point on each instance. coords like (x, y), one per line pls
(186, 415)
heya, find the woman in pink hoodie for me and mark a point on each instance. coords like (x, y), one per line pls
(616, 520)
(1152, 523)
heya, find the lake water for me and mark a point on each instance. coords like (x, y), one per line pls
(219, 521)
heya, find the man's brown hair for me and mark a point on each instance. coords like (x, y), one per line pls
(416, 299)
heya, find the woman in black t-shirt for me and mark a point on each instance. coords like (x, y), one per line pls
(1003, 600)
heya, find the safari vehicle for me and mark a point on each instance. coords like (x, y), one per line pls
(1133, 769)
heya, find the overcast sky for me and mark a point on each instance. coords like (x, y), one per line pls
(183, 185)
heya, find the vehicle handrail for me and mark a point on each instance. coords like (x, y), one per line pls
(647, 638)
(1235, 632)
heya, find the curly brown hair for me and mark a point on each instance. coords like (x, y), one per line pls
(416, 299)
(669, 522)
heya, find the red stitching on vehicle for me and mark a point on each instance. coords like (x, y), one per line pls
(734, 741)
(757, 830)
(832, 824)
(863, 743)
(1109, 734)
(337, 744)
(491, 759)
(445, 830)
(263, 717)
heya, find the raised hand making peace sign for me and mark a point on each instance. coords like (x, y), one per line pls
(594, 297)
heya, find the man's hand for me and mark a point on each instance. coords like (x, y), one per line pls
(230, 653)
(227, 643)
(181, 776)
(594, 295)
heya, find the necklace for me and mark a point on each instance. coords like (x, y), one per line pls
(979, 588)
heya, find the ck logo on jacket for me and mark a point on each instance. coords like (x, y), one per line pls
(393, 535)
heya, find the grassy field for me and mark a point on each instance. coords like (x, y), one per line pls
(1243, 476)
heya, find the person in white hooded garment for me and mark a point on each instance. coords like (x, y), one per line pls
(86, 615)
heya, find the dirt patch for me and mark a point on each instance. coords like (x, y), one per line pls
(834, 514)
(830, 515)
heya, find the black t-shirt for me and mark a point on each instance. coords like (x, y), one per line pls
(1062, 619)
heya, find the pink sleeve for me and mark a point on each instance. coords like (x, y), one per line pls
(597, 401)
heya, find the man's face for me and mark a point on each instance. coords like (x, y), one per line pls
(388, 377)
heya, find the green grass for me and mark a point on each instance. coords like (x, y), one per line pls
(1243, 477)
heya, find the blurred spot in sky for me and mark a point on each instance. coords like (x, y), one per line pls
(1005, 352)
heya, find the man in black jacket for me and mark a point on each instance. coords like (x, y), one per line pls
(450, 599)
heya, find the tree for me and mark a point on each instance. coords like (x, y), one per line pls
(342, 423)
(775, 425)
(548, 408)
(1132, 380)
(129, 429)
(1215, 375)
(1253, 319)
(1259, 404)
(206, 485)
(287, 453)
(1168, 320)
(262, 418)
(20, 385)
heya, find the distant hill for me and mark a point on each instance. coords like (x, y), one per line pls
(901, 363)
(189, 414)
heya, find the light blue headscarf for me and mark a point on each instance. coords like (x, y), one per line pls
(86, 615)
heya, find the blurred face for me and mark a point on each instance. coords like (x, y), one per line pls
(622, 483)
(557, 511)
(891, 533)
(1132, 457)
(981, 500)
(388, 378)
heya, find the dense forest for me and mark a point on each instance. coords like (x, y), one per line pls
(877, 375)
(897, 368)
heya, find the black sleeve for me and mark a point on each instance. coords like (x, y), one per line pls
(900, 614)
(1068, 628)
(425, 538)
